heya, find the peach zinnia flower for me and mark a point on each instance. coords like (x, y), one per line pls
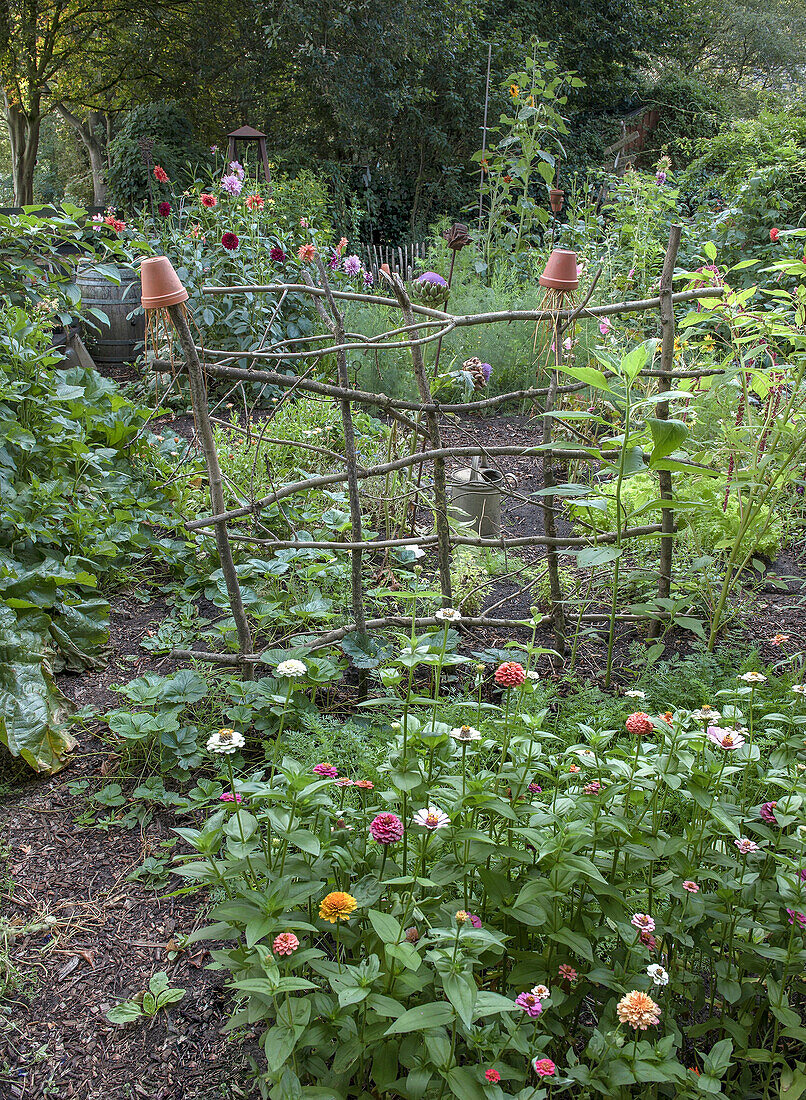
(337, 906)
(285, 944)
(306, 253)
(638, 1010)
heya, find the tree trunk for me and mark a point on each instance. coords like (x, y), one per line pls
(88, 133)
(23, 136)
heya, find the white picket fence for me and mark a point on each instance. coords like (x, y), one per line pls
(401, 258)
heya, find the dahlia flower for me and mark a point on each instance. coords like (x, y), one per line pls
(352, 265)
(306, 253)
(231, 185)
(164, 209)
(277, 255)
(208, 200)
(230, 242)
(160, 174)
(254, 202)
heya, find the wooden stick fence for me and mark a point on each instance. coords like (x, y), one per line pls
(421, 419)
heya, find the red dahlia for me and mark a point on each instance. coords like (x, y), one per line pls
(230, 242)
(209, 200)
(164, 209)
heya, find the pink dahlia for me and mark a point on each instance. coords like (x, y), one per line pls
(386, 829)
(510, 674)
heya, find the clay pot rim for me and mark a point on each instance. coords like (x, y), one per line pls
(162, 273)
(554, 282)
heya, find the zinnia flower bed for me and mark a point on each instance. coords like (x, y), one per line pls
(524, 912)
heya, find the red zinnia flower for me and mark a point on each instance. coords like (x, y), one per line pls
(774, 234)
(493, 1075)
(230, 242)
(160, 174)
(509, 674)
(208, 200)
(164, 209)
(639, 724)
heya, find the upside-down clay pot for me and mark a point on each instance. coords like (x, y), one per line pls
(560, 273)
(556, 199)
(160, 285)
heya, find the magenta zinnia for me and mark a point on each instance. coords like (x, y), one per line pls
(766, 813)
(543, 1067)
(530, 1004)
(386, 829)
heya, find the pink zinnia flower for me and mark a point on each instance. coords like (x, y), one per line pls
(228, 796)
(364, 784)
(692, 887)
(766, 813)
(643, 922)
(285, 944)
(725, 739)
(474, 920)
(796, 918)
(605, 326)
(745, 845)
(774, 234)
(534, 788)
(648, 940)
(530, 1004)
(344, 782)
(326, 770)
(386, 829)
(493, 1076)
(567, 973)
(639, 723)
(543, 1067)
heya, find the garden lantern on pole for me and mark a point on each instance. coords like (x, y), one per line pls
(247, 134)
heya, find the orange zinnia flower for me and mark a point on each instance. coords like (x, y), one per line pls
(337, 906)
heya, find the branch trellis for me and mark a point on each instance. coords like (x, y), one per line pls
(423, 421)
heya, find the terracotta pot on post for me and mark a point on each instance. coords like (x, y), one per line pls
(160, 285)
(560, 272)
(556, 199)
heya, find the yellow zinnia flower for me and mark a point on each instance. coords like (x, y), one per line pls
(337, 906)
(514, 91)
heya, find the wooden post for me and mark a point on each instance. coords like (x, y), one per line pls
(662, 413)
(432, 420)
(335, 322)
(204, 429)
(547, 502)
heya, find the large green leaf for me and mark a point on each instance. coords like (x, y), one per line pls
(32, 709)
(667, 435)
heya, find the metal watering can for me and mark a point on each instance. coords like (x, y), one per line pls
(475, 498)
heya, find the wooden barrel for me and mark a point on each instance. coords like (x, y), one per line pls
(121, 339)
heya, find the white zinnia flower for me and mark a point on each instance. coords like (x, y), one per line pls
(465, 733)
(541, 992)
(291, 668)
(532, 674)
(800, 689)
(448, 614)
(658, 975)
(226, 741)
(634, 693)
(432, 818)
(706, 714)
(753, 678)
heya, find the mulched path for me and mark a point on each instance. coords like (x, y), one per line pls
(83, 937)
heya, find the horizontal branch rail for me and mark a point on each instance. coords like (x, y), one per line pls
(502, 543)
(321, 480)
(390, 621)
